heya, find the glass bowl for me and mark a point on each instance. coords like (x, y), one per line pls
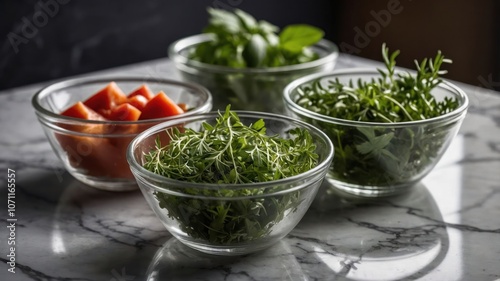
(249, 217)
(94, 152)
(413, 148)
(255, 89)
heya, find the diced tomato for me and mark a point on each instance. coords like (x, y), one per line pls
(107, 98)
(138, 101)
(124, 112)
(144, 91)
(84, 152)
(105, 113)
(112, 158)
(160, 106)
(80, 110)
(102, 156)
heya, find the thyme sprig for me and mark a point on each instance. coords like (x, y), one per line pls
(393, 97)
(230, 152)
(383, 155)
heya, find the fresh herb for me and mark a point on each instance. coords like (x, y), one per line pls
(254, 50)
(378, 155)
(241, 41)
(229, 152)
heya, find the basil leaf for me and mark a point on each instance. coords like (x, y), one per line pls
(272, 39)
(374, 144)
(267, 27)
(225, 20)
(295, 37)
(241, 41)
(248, 22)
(255, 51)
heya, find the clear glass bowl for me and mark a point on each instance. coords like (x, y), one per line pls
(94, 152)
(416, 145)
(259, 213)
(255, 89)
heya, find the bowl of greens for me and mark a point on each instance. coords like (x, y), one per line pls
(247, 63)
(389, 128)
(233, 182)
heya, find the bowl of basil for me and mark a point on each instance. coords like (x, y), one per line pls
(247, 63)
(389, 127)
(232, 182)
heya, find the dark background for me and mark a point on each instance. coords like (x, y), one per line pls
(49, 39)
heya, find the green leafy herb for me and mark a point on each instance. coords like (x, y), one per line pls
(230, 152)
(295, 37)
(378, 155)
(242, 41)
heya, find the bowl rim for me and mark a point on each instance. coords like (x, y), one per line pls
(187, 42)
(321, 166)
(292, 105)
(67, 83)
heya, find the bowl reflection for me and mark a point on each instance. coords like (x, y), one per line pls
(176, 261)
(371, 239)
(94, 233)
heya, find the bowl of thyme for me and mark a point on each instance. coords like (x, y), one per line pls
(231, 182)
(247, 62)
(389, 127)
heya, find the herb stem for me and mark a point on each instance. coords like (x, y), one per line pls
(401, 107)
(230, 152)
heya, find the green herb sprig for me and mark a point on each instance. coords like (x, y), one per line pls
(394, 97)
(230, 152)
(242, 41)
(378, 155)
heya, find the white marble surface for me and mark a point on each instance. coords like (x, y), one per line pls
(447, 228)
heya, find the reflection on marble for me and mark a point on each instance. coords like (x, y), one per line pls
(177, 262)
(447, 228)
(371, 239)
(341, 237)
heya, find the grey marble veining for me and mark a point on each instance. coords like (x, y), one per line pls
(446, 228)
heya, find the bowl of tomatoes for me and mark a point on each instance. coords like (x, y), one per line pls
(90, 122)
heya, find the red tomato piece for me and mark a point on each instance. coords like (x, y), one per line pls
(144, 91)
(160, 106)
(124, 112)
(96, 153)
(107, 98)
(138, 101)
(80, 110)
(83, 152)
(112, 158)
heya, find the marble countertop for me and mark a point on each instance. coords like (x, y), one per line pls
(447, 228)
